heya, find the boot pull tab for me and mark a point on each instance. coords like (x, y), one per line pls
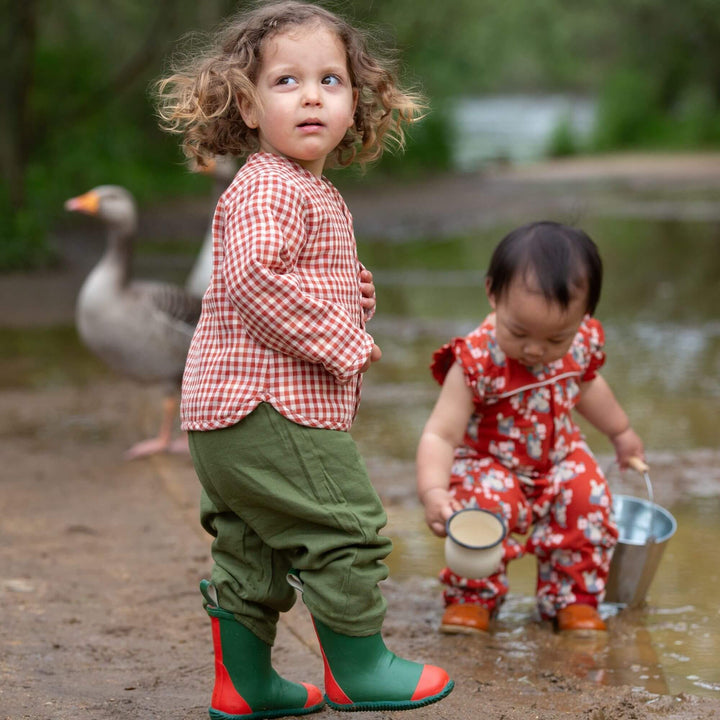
(209, 592)
(293, 579)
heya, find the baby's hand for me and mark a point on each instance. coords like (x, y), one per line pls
(627, 445)
(439, 506)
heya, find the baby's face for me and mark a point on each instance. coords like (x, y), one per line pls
(532, 330)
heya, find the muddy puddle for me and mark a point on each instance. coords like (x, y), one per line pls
(669, 646)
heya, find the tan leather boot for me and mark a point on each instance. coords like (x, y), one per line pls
(579, 618)
(465, 618)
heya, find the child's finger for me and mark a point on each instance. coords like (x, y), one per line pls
(438, 528)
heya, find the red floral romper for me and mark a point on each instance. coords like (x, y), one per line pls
(524, 458)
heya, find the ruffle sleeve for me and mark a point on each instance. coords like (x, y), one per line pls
(593, 337)
(458, 351)
(442, 361)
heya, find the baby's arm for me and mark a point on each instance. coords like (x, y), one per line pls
(443, 432)
(599, 407)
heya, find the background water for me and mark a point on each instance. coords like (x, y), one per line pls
(516, 128)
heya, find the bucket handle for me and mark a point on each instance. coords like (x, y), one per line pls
(642, 468)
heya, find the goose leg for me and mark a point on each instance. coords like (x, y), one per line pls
(162, 442)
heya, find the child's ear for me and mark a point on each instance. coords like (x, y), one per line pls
(490, 295)
(356, 95)
(248, 112)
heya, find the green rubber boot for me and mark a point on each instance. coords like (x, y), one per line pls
(246, 686)
(362, 674)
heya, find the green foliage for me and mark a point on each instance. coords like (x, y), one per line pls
(628, 108)
(663, 76)
(698, 117)
(22, 240)
(563, 141)
(428, 149)
(632, 114)
(84, 115)
(472, 47)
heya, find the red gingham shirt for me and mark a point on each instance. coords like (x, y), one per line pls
(281, 321)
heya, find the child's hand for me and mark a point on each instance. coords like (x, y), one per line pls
(627, 445)
(367, 290)
(439, 506)
(375, 355)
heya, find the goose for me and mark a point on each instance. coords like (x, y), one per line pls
(141, 329)
(223, 169)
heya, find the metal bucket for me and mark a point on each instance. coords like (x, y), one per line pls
(645, 529)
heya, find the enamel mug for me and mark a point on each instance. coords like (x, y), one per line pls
(474, 543)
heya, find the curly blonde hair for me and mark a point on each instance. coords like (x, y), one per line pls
(201, 99)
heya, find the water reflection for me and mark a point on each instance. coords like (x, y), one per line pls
(659, 309)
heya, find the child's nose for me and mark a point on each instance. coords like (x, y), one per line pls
(311, 95)
(533, 349)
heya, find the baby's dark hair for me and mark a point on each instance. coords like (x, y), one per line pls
(201, 99)
(561, 259)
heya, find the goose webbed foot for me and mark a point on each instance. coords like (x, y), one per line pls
(163, 442)
(146, 448)
(153, 446)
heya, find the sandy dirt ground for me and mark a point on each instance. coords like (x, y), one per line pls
(100, 558)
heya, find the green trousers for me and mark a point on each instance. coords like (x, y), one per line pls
(280, 496)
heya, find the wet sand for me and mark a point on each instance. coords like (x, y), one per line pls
(101, 615)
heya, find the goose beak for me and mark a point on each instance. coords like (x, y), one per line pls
(89, 203)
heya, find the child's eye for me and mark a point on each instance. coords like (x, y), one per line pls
(286, 80)
(331, 80)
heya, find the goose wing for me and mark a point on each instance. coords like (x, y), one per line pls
(171, 303)
(146, 332)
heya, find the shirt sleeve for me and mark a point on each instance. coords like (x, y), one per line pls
(263, 237)
(594, 340)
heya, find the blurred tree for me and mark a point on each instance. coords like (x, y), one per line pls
(75, 106)
(75, 111)
(18, 47)
(470, 47)
(662, 85)
(677, 44)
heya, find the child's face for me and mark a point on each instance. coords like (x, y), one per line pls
(532, 330)
(307, 101)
